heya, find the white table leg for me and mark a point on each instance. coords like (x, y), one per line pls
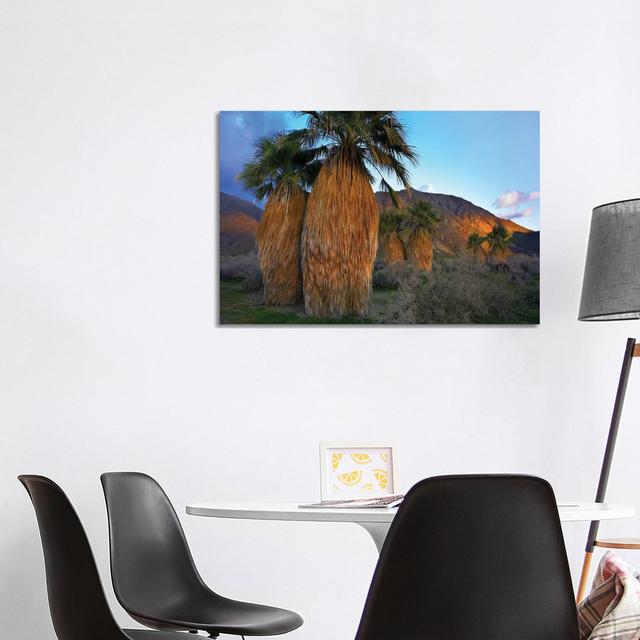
(378, 531)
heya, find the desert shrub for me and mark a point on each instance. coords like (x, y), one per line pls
(252, 281)
(522, 267)
(456, 293)
(461, 291)
(401, 275)
(381, 277)
(525, 275)
(404, 280)
(245, 267)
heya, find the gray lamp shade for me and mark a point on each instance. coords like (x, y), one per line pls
(611, 285)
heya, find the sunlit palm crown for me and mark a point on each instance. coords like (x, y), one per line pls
(499, 238)
(475, 240)
(375, 141)
(280, 162)
(422, 215)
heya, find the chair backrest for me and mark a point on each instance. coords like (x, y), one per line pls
(473, 558)
(78, 606)
(151, 564)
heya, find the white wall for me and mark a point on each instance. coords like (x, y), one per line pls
(111, 358)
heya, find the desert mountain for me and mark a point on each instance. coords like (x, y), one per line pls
(238, 224)
(239, 221)
(461, 218)
(232, 204)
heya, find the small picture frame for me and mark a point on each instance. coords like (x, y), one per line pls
(357, 470)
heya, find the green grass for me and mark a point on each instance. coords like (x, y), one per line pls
(244, 307)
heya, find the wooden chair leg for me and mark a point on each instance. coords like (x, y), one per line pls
(584, 576)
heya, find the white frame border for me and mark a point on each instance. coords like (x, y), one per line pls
(326, 446)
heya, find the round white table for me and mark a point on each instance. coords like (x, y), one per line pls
(377, 521)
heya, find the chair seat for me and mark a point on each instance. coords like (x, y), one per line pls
(216, 614)
(154, 576)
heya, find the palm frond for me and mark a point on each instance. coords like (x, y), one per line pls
(499, 240)
(385, 187)
(391, 220)
(280, 162)
(422, 215)
(373, 140)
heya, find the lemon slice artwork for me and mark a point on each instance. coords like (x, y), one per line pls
(335, 460)
(382, 477)
(361, 458)
(350, 478)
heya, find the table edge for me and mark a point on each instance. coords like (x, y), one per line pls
(589, 513)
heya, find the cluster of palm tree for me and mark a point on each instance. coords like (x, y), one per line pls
(318, 237)
(493, 246)
(407, 234)
(282, 172)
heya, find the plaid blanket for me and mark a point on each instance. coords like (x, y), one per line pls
(612, 610)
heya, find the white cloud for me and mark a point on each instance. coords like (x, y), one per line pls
(513, 215)
(428, 187)
(514, 198)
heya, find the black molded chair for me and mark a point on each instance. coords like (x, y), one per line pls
(473, 558)
(78, 606)
(154, 576)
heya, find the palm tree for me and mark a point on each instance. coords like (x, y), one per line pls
(389, 228)
(281, 171)
(475, 243)
(422, 218)
(340, 236)
(499, 241)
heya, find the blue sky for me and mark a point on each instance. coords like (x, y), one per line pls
(491, 158)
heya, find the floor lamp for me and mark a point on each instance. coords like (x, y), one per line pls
(611, 291)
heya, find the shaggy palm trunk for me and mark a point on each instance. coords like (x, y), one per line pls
(339, 241)
(278, 240)
(391, 248)
(480, 255)
(420, 249)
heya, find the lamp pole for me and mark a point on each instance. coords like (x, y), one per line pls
(630, 352)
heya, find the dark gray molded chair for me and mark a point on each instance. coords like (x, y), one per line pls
(473, 558)
(78, 606)
(154, 576)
